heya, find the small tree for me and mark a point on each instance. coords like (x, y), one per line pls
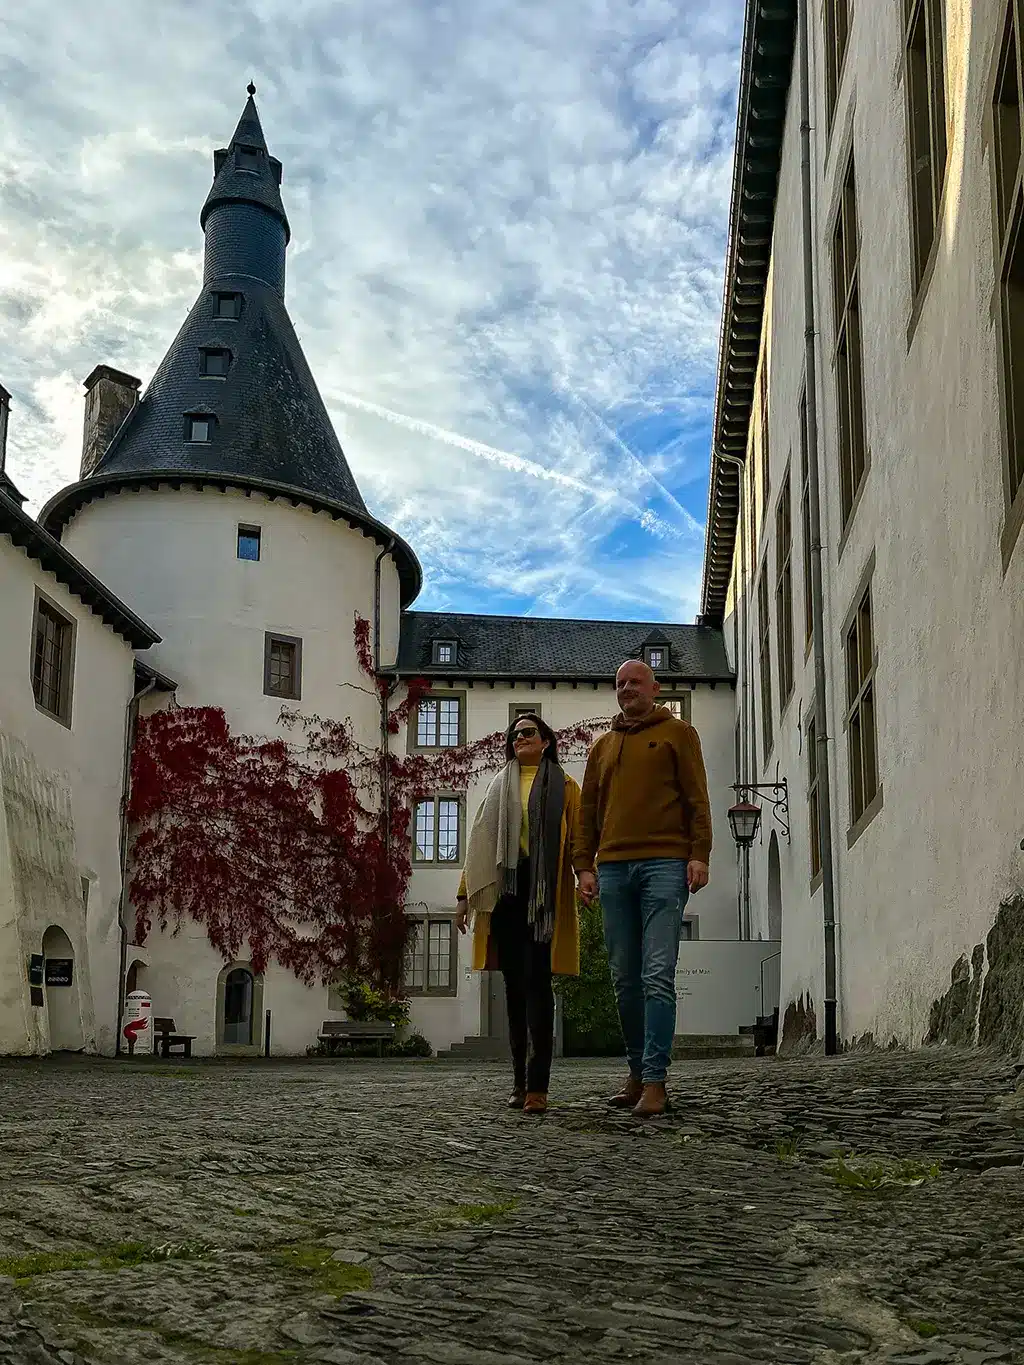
(589, 1013)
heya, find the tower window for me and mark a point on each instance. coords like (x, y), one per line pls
(248, 159)
(227, 306)
(199, 428)
(214, 363)
(249, 542)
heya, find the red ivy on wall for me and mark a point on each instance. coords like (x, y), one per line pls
(298, 847)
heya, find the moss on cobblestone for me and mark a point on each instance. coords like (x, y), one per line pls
(24, 1269)
(876, 1173)
(922, 1327)
(484, 1213)
(317, 1262)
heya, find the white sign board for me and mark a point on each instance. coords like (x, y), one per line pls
(720, 983)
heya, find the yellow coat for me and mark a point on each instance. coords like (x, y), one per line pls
(565, 945)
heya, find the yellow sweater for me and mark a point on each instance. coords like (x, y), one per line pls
(526, 776)
(565, 946)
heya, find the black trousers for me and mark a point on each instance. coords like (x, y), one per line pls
(526, 966)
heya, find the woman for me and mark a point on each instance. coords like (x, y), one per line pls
(520, 888)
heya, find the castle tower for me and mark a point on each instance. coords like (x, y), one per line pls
(236, 516)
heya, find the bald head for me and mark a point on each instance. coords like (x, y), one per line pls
(636, 688)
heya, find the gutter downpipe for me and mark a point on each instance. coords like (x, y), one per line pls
(814, 498)
(744, 775)
(130, 722)
(385, 746)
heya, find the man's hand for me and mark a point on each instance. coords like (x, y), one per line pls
(462, 916)
(588, 887)
(696, 875)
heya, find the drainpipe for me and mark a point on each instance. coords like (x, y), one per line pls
(817, 607)
(385, 738)
(130, 722)
(744, 774)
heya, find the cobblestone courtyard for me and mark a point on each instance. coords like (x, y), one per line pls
(262, 1213)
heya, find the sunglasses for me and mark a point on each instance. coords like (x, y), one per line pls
(527, 732)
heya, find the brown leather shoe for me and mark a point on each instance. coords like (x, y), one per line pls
(653, 1101)
(517, 1099)
(536, 1102)
(629, 1096)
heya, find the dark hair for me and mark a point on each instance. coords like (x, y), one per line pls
(546, 732)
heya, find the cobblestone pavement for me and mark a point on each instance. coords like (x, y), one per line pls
(262, 1213)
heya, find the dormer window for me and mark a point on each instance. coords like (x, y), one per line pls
(227, 306)
(248, 159)
(655, 657)
(199, 428)
(214, 362)
(444, 652)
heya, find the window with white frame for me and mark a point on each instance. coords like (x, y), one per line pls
(431, 957)
(679, 705)
(445, 652)
(656, 656)
(439, 722)
(437, 830)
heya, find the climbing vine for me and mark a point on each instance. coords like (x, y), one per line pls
(295, 848)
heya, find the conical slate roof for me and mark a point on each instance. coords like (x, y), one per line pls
(234, 184)
(234, 400)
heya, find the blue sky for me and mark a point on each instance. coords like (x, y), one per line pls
(509, 226)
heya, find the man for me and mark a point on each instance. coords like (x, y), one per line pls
(643, 840)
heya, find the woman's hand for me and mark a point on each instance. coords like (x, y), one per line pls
(462, 916)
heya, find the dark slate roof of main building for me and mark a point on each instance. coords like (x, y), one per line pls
(508, 647)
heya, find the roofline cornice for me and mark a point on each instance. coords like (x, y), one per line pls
(65, 504)
(28, 535)
(766, 68)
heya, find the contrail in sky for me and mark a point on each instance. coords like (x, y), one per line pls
(514, 463)
(632, 457)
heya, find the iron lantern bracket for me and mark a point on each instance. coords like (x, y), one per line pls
(779, 799)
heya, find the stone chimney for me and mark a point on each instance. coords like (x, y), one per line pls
(110, 396)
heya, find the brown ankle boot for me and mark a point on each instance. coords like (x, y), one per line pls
(653, 1101)
(536, 1102)
(629, 1096)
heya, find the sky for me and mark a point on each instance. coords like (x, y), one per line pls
(508, 234)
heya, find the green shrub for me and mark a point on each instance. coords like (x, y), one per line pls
(363, 1002)
(590, 1020)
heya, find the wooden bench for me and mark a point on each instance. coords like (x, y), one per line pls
(335, 1031)
(166, 1037)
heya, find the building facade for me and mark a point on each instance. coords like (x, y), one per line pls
(68, 681)
(218, 503)
(868, 421)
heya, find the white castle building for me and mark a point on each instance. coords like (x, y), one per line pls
(215, 552)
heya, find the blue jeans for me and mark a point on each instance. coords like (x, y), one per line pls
(643, 904)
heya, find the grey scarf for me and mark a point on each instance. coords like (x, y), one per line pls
(492, 861)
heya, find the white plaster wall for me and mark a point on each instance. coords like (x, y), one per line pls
(923, 883)
(60, 818)
(445, 1019)
(172, 556)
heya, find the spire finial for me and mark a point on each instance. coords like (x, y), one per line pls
(251, 88)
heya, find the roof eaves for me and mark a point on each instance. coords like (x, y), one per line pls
(39, 545)
(63, 506)
(769, 41)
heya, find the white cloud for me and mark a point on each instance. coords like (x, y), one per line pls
(508, 227)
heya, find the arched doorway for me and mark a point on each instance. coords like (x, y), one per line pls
(774, 890)
(238, 1007)
(63, 1001)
